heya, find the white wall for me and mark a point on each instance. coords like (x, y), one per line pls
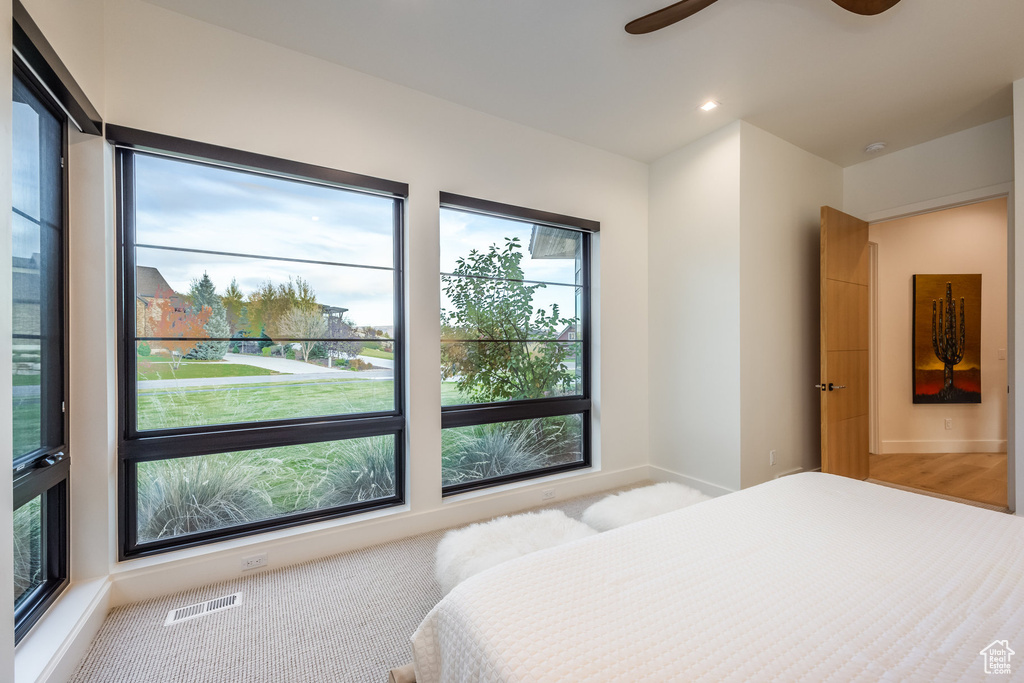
(694, 337)
(965, 239)
(92, 400)
(733, 242)
(782, 190)
(174, 75)
(945, 168)
(75, 29)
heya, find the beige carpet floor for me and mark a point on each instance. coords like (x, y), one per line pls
(346, 618)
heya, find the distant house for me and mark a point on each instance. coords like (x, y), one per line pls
(149, 286)
(553, 243)
(336, 326)
(568, 334)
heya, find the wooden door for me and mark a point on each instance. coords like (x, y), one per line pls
(844, 344)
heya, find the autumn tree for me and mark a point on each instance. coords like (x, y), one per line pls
(492, 308)
(173, 319)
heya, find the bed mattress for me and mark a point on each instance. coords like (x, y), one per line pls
(811, 577)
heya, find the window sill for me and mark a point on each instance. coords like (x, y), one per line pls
(57, 642)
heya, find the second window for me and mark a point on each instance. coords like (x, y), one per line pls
(515, 343)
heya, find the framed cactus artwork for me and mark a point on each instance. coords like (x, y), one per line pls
(947, 338)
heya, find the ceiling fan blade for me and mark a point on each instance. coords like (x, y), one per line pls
(866, 7)
(667, 16)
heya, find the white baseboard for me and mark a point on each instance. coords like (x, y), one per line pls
(795, 470)
(965, 446)
(139, 580)
(51, 651)
(705, 487)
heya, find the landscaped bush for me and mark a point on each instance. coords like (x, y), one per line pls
(27, 558)
(486, 451)
(267, 350)
(360, 470)
(188, 495)
(144, 349)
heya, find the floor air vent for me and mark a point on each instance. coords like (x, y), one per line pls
(201, 609)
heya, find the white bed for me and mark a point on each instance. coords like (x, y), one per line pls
(811, 577)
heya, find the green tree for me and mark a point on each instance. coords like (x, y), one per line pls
(491, 304)
(234, 305)
(203, 295)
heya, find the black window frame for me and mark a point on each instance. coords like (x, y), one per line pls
(151, 445)
(46, 472)
(516, 410)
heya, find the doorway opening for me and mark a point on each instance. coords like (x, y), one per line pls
(946, 446)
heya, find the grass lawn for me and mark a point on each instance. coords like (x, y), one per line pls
(229, 404)
(377, 353)
(450, 395)
(26, 425)
(149, 369)
(25, 380)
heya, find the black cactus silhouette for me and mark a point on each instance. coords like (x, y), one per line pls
(948, 346)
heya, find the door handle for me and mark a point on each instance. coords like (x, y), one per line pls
(832, 387)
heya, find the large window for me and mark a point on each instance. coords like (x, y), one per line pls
(261, 307)
(515, 343)
(39, 378)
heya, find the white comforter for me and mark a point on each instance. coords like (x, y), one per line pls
(808, 578)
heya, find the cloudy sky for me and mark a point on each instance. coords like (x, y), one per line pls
(183, 205)
(461, 232)
(192, 206)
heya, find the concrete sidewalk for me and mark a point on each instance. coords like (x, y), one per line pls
(277, 364)
(378, 362)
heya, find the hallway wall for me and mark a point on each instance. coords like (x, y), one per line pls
(965, 239)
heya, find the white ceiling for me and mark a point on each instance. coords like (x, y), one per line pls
(806, 70)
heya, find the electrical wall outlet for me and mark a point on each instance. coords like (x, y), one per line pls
(254, 562)
(771, 458)
(949, 423)
(547, 494)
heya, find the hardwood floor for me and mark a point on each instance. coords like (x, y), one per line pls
(974, 476)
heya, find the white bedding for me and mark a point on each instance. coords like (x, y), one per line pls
(811, 577)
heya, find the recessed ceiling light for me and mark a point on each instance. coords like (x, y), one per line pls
(709, 105)
(875, 147)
